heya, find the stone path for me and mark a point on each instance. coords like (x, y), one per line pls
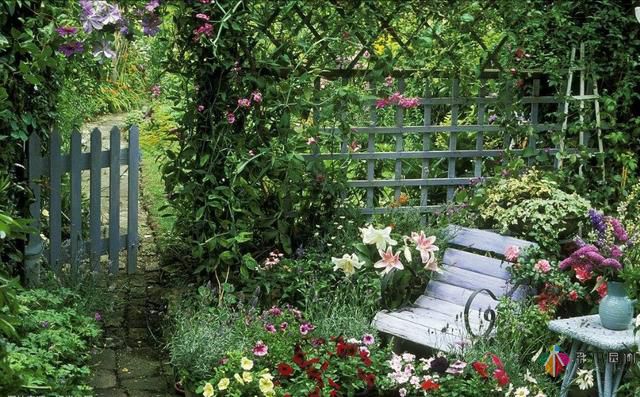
(130, 361)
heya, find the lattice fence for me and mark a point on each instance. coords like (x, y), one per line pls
(417, 158)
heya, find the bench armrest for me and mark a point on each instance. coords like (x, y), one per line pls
(489, 313)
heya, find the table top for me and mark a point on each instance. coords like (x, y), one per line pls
(589, 330)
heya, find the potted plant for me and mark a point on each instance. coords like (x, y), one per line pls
(603, 253)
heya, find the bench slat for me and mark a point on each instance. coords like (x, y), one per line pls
(483, 240)
(458, 295)
(477, 263)
(401, 325)
(473, 281)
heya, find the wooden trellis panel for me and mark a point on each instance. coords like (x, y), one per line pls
(427, 183)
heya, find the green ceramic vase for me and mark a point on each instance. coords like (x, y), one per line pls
(616, 309)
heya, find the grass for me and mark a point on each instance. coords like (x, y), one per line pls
(154, 131)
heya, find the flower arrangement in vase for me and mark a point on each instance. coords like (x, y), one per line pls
(601, 253)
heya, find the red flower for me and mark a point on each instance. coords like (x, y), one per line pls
(324, 366)
(285, 369)
(310, 362)
(334, 384)
(346, 349)
(364, 356)
(370, 380)
(298, 356)
(429, 384)
(573, 296)
(481, 368)
(315, 393)
(501, 376)
(496, 360)
(333, 393)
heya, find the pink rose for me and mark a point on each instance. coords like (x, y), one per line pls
(511, 253)
(542, 266)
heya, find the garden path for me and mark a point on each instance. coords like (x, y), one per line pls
(129, 361)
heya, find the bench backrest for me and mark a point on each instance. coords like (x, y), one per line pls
(467, 267)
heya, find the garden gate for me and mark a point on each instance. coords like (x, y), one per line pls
(49, 171)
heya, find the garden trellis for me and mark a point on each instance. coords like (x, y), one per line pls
(539, 122)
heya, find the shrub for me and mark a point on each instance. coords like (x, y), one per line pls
(529, 206)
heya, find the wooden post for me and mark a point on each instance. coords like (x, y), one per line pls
(132, 216)
(33, 250)
(55, 208)
(76, 203)
(114, 199)
(95, 199)
(453, 137)
(399, 140)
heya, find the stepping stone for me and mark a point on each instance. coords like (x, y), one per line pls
(106, 359)
(139, 363)
(110, 393)
(153, 384)
(104, 379)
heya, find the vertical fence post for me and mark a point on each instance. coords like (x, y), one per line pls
(477, 162)
(453, 137)
(371, 148)
(114, 199)
(399, 119)
(33, 250)
(76, 203)
(95, 199)
(132, 221)
(535, 110)
(426, 146)
(55, 207)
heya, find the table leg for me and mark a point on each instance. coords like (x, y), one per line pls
(608, 381)
(598, 375)
(570, 370)
(618, 378)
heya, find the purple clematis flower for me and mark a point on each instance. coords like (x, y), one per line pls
(103, 49)
(64, 31)
(151, 24)
(71, 48)
(152, 5)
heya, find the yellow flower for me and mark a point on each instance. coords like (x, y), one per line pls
(223, 384)
(266, 386)
(238, 378)
(246, 364)
(266, 375)
(207, 391)
(247, 377)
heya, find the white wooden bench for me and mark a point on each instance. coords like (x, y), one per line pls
(471, 280)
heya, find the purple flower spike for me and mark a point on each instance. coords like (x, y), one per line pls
(610, 262)
(584, 250)
(594, 257)
(597, 221)
(567, 262)
(618, 230)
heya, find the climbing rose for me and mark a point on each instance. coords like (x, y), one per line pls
(231, 118)
(256, 96)
(200, 108)
(204, 17)
(244, 103)
(573, 296)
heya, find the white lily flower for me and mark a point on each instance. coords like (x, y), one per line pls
(379, 237)
(348, 263)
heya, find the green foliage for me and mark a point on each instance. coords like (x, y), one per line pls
(50, 347)
(529, 206)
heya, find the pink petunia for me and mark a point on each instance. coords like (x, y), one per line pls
(260, 349)
(368, 339)
(305, 328)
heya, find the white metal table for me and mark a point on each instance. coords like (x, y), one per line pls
(611, 351)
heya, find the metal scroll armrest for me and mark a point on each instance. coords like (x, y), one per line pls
(489, 313)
